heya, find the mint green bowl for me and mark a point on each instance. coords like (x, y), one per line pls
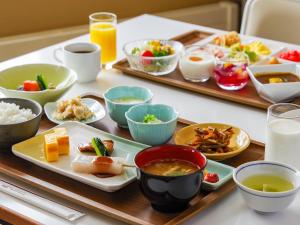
(60, 76)
(155, 133)
(116, 110)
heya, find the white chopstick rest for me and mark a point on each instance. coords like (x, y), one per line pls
(40, 202)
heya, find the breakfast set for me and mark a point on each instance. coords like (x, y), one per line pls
(123, 145)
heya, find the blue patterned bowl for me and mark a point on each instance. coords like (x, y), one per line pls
(117, 109)
(152, 133)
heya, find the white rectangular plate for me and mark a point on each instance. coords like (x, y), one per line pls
(33, 151)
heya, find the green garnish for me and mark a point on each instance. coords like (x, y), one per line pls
(135, 51)
(42, 82)
(252, 56)
(150, 118)
(99, 147)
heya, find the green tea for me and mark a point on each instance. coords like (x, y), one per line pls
(128, 100)
(268, 183)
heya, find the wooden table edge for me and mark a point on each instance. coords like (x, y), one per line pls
(15, 218)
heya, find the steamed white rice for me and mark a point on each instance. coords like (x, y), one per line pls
(12, 113)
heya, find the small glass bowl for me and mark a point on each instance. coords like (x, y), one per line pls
(230, 73)
(153, 65)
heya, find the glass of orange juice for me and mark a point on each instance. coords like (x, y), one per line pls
(103, 32)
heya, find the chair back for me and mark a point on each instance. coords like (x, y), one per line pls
(273, 19)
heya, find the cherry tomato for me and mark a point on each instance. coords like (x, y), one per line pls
(211, 177)
(292, 58)
(292, 55)
(294, 52)
(147, 53)
(30, 85)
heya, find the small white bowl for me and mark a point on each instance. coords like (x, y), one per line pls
(276, 92)
(267, 201)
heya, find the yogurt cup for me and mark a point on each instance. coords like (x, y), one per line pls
(196, 65)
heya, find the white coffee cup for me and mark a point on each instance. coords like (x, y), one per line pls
(83, 58)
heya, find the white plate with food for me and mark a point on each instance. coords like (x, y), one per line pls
(84, 110)
(256, 49)
(113, 171)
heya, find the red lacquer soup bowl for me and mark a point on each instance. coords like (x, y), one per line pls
(170, 193)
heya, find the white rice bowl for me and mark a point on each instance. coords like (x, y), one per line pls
(11, 113)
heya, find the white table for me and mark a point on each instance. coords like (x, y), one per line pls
(195, 107)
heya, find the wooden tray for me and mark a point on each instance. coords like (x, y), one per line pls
(247, 95)
(128, 204)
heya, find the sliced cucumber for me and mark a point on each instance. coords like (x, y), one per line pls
(42, 82)
(99, 147)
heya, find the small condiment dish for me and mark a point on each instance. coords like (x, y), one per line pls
(116, 110)
(266, 202)
(276, 92)
(224, 173)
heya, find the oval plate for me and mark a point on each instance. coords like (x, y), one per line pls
(239, 141)
(93, 105)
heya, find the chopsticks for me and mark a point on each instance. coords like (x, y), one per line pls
(40, 202)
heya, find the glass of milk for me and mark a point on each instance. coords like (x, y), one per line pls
(283, 134)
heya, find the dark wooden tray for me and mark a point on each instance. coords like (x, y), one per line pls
(247, 95)
(127, 204)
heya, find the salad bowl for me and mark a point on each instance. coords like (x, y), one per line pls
(156, 57)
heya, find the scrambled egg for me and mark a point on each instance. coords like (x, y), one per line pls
(258, 47)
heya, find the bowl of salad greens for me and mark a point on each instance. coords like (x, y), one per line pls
(156, 57)
(152, 124)
(40, 82)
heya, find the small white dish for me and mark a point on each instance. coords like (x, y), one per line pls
(32, 150)
(272, 45)
(286, 50)
(93, 105)
(276, 92)
(266, 202)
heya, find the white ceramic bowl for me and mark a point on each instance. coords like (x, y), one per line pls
(62, 77)
(267, 201)
(276, 92)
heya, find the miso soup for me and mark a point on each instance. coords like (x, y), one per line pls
(170, 167)
(268, 183)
